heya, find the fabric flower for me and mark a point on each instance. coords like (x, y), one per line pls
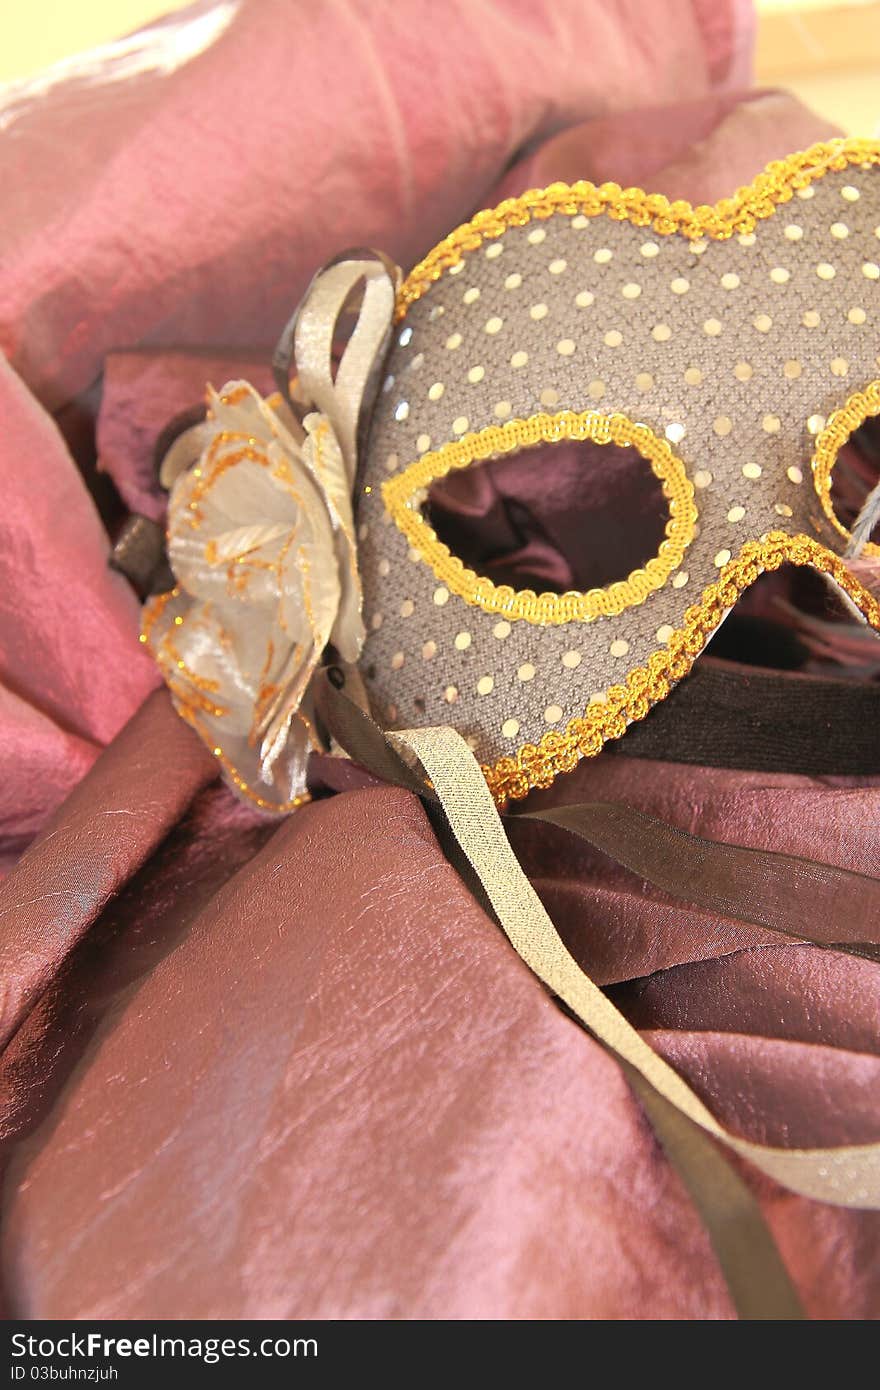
(261, 543)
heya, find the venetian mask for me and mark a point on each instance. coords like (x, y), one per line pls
(732, 349)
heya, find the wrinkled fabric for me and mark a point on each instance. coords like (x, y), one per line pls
(262, 1069)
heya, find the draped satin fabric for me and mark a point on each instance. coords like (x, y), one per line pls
(262, 1069)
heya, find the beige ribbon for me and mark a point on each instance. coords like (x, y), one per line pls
(341, 399)
(846, 1177)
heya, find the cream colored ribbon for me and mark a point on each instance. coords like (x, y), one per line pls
(341, 399)
(846, 1177)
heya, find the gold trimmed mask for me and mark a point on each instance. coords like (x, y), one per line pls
(734, 348)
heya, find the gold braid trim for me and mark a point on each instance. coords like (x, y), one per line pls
(402, 495)
(741, 213)
(536, 765)
(843, 423)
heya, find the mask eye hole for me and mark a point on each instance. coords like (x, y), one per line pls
(557, 517)
(846, 462)
(406, 493)
(856, 473)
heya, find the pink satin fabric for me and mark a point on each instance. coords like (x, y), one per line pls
(295, 1070)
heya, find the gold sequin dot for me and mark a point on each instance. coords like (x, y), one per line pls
(839, 230)
(485, 685)
(793, 232)
(502, 409)
(871, 271)
(825, 271)
(806, 193)
(450, 694)
(722, 425)
(460, 424)
(631, 291)
(557, 267)
(526, 672)
(679, 580)
(513, 282)
(536, 236)
(644, 381)
(596, 390)
(476, 374)
(851, 194)
(494, 250)
(376, 621)
(613, 338)
(441, 595)
(792, 368)
(453, 341)
(649, 249)
(811, 319)
(519, 359)
(571, 660)
(429, 651)
(779, 275)
(746, 238)
(549, 396)
(722, 558)
(665, 632)
(661, 332)
(675, 433)
(397, 661)
(699, 246)
(510, 728)
(401, 410)
(462, 641)
(436, 391)
(736, 514)
(583, 299)
(565, 347)
(771, 424)
(552, 714)
(472, 295)
(456, 269)
(501, 630)
(384, 567)
(730, 281)
(493, 325)
(407, 608)
(816, 423)
(856, 315)
(693, 376)
(782, 509)
(391, 462)
(839, 366)
(680, 285)
(702, 478)
(423, 443)
(795, 475)
(580, 221)
(619, 647)
(602, 256)
(712, 327)
(751, 470)
(763, 323)
(538, 311)
(743, 371)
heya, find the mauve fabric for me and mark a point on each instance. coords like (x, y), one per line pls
(293, 1069)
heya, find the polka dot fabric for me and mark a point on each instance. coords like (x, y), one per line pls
(734, 352)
